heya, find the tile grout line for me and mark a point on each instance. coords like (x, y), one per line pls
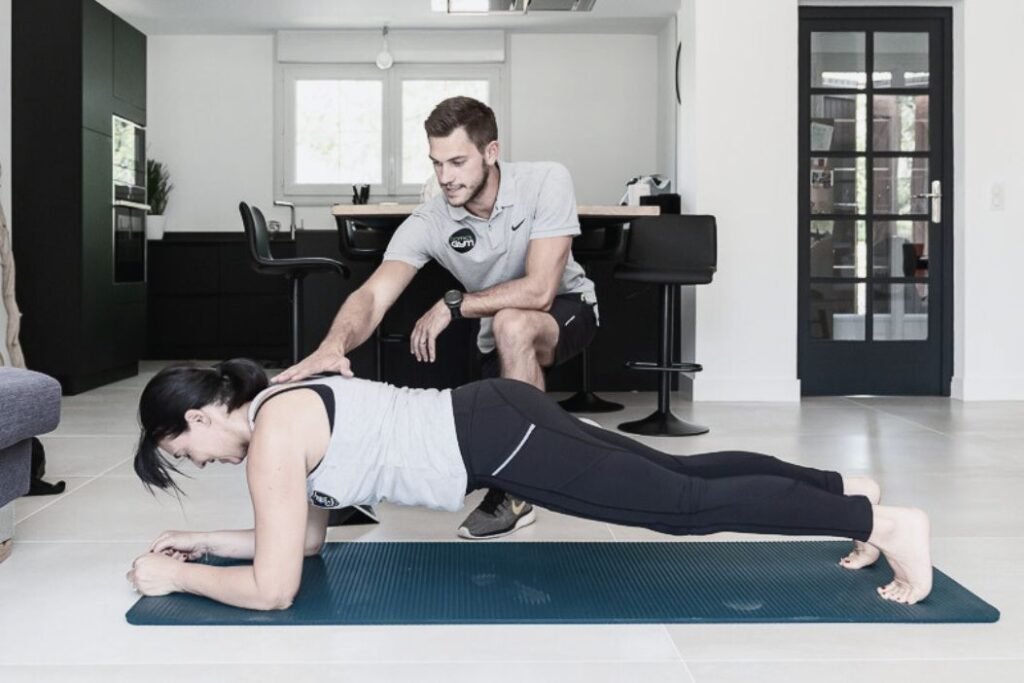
(69, 491)
(286, 662)
(895, 416)
(675, 648)
(851, 658)
(90, 436)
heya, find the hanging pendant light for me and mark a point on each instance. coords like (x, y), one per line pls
(384, 59)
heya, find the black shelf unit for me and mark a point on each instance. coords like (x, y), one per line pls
(74, 66)
(205, 302)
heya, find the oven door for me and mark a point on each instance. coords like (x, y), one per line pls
(129, 242)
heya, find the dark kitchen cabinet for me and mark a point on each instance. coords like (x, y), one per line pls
(207, 303)
(129, 87)
(77, 324)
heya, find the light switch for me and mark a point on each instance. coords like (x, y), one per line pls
(998, 197)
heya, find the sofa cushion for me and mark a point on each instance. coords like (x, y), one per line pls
(29, 405)
(15, 472)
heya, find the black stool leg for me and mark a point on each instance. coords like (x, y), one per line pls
(662, 422)
(585, 400)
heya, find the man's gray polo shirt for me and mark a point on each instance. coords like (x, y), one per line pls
(535, 200)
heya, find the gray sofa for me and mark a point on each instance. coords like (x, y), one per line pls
(29, 406)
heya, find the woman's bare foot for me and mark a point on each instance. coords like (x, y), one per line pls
(903, 536)
(863, 554)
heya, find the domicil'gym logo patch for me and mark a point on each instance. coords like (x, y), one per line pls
(322, 500)
(462, 240)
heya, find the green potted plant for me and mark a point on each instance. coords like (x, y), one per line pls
(158, 189)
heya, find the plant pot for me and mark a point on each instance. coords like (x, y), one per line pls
(155, 227)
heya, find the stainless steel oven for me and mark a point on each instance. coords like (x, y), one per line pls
(129, 201)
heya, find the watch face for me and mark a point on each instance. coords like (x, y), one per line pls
(453, 297)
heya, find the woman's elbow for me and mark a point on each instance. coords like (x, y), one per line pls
(277, 600)
(313, 548)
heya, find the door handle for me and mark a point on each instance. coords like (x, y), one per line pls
(936, 196)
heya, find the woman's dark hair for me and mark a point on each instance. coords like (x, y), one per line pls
(475, 116)
(174, 391)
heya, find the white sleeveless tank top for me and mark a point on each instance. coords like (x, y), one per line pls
(388, 444)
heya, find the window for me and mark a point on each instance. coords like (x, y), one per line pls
(344, 125)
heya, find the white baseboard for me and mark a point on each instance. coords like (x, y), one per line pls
(1002, 388)
(710, 388)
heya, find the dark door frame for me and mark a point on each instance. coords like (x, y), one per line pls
(857, 19)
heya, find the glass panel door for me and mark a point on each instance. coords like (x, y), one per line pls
(875, 273)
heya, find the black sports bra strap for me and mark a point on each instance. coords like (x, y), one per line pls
(324, 392)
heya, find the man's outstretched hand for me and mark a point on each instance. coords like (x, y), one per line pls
(321, 360)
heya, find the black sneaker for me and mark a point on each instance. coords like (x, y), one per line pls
(498, 515)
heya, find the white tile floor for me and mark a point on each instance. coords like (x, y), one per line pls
(63, 595)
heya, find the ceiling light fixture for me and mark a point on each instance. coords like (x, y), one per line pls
(462, 6)
(384, 59)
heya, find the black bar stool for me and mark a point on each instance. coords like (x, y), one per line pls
(294, 269)
(669, 251)
(367, 240)
(598, 242)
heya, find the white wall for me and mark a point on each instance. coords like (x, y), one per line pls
(5, 141)
(588, 101)
(737, 160)
(210, 119)
(210, 108)
(742, 168)
(988, 242)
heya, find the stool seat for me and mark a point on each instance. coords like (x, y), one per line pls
(294, 269)
(598, 241)
(669, 251)
(299, 267)
(366, 240)
(638, 273)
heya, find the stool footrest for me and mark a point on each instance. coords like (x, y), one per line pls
(662, 423)
(393, 338)
(674, 367)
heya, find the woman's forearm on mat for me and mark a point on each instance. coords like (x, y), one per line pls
(236, 586)
(236, 544)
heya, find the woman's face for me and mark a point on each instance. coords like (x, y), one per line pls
(208, 438)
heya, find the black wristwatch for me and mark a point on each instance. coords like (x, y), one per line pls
(453, 300)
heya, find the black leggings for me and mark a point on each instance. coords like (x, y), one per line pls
(515, 438)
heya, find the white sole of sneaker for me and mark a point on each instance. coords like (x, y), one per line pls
(526, 520)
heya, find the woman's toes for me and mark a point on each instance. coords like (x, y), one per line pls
(863, 555)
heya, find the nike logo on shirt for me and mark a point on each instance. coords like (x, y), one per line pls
(516, 226)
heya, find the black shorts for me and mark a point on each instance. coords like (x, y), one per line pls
(577, 325)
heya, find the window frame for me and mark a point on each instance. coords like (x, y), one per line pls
(391, 144)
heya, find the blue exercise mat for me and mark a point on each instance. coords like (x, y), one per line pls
(581, 583)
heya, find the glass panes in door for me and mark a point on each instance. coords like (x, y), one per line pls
(901, 60)
(869, 174)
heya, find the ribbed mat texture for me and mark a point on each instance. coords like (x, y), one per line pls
(581, 583)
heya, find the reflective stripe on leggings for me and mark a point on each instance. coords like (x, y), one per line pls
(518, 448)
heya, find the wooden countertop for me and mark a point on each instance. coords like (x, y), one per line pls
(399, 210)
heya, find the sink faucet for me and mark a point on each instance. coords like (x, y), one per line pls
(291, 210)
